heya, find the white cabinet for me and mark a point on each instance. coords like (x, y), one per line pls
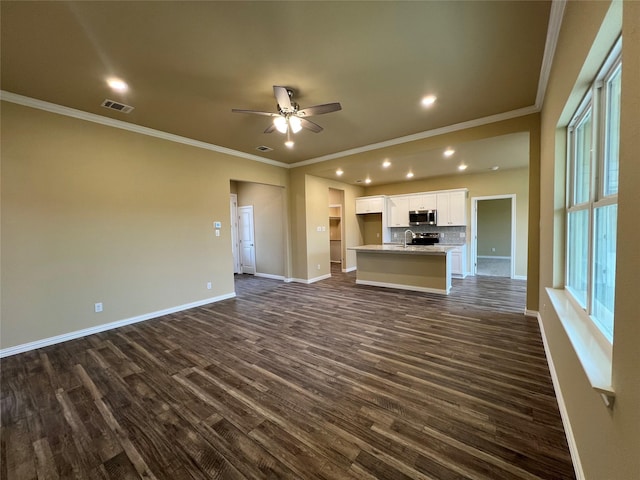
(452, 208)
(459, 261)
(398, 209)
(369, 204)
(425, 201)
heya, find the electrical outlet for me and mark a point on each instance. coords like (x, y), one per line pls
(208, 285)
(318, 267)
(217, 233)
(98, 307)
(318, 229)
(493, 249)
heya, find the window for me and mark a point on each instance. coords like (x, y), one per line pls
(592, 200)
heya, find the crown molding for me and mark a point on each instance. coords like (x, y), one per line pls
(521, 112)
(110, 122)
(553, 32)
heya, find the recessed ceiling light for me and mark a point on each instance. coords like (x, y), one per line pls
(339, 172)
(448, 152)
(117, 85)
(386, 164)
(289, 143)
(410, 175)
(428, 100)
(367, 180)
(462, 166)
(494, 168)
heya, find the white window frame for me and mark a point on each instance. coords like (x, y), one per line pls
(595, 102)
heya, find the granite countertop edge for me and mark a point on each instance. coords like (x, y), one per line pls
(402, 250)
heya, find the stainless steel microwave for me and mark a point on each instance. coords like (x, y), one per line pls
(422, 217)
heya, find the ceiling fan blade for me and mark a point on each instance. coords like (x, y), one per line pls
(283, 99)
(309, 125)
(319, 109)
(255, 112)
(271, 128)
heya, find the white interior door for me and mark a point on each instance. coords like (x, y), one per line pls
(247, 244)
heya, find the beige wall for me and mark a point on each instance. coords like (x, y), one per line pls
(269, 218)
(371, 228)
(501, 182)
(494, 228)
(607, 440)
(93, 214)
(316, 215)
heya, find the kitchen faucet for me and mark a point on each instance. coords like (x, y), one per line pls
(405, 236)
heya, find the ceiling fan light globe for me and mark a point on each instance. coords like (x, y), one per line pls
(295, 124)
(280, 124)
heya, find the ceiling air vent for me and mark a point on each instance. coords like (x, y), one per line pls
(263, 148)
(121, 107)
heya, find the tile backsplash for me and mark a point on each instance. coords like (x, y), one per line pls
(448, 235)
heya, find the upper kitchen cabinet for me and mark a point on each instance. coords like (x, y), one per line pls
(424, 201)
(373, 204)
(452, 208)
(398, 209)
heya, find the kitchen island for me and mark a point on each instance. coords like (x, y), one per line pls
(422, 268)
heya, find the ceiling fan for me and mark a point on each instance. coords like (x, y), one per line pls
(290, 117)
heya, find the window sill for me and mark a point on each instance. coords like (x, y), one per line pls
(592, 349)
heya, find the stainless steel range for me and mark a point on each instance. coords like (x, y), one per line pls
(425, 238)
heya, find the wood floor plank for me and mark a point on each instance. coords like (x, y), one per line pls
(293, 381)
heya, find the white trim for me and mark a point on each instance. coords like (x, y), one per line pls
(521, 112)
(401, 286)
(553, 32)
(92, 117)
(110, 122)
(349, 269)
(564, 414)
(309, 281)
(591, 347)
(269, 275)
(45, 342)
(474, 232)
(494, 256)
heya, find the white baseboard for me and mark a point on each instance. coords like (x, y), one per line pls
(531, 313)
(45, 342)
(519, 277)
(350, 269)
(573, 449)
(496, 257)
(269, 275)
(402, 287)
(308, 281)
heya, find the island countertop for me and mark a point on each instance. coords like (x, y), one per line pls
(402, 250)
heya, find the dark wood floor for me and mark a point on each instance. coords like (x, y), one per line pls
(329, 380)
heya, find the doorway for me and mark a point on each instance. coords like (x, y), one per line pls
(246, 234)
(337, 246)
(335, 233)
(493, 247)
(235, 244)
